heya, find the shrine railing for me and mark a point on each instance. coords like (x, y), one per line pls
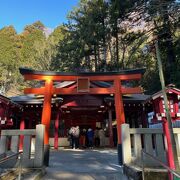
(152, 141)
(9, 145)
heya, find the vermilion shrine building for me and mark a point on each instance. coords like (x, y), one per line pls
(173, 95)
(9, 113)
(84, 111)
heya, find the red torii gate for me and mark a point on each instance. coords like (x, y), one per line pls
(48, 90)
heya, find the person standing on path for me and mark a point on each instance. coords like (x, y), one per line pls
(71, 132)
(96, 137)
(102, 137)
(90, 135)
(74, 132)
(83, 138)
(76, 136)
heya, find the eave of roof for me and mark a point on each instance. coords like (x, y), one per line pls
(9, 100)
(25, 71)
(32, 99)
(132, 98)
(168, 90)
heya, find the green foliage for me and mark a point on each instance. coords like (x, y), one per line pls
(9, 57)
(31, 38)
(30, 49)
(164, 15)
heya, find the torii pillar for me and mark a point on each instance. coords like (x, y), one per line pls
(46, 117)
(120, 118)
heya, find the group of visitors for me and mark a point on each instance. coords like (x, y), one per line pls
(86, 137)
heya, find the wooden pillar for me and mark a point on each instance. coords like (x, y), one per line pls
(30, 123)
(46, 118)
(143, 117)
(46, 112)
(120, 117)
(110, 128)
(22, 127)
(56, 124)
(169, 150)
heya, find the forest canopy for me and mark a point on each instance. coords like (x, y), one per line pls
(99, 36)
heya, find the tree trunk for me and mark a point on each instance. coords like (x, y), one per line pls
(89, 62)
(123, 55)
(171, 60)
(99, 58)
(117, 48)
(95, 58)
(110, 51)
(104, 54)
(104, 48)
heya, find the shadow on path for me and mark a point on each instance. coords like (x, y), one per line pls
(99, 164)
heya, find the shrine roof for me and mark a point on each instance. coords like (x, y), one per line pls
(169, 90)
(8, 101)
(25, 71)
(33, 99)
(132, 98)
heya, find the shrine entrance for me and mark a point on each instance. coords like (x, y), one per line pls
(81, 84)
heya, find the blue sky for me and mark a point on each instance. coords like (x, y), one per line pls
(20, 13)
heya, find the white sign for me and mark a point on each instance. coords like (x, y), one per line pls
(3, 121)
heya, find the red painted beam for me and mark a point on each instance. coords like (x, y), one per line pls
(34, 90)
(134, 90)
(130, 77)
(46, 77)
(91, 78)
(68, 91)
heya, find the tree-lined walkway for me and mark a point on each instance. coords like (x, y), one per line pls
(84, 165)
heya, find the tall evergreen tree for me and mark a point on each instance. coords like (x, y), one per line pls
(9, 58)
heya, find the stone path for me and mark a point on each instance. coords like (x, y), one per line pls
(93, 164)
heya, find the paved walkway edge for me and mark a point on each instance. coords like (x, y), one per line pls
(40, 174)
